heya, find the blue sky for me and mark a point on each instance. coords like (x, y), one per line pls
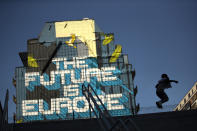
(159, 36)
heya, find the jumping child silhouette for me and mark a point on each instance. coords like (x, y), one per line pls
(164, 83)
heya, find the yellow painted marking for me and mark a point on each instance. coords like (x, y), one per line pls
(108, 39)
(71, 41)
(116, 54)
(19, 121)
(32, 61)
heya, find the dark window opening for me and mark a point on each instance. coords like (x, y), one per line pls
(189, 95)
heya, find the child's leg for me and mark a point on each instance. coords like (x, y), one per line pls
(162, 95)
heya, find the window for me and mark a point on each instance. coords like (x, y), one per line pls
(184, 101)
(189, 95)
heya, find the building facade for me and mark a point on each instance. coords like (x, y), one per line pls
(65, 56)
(189, 101)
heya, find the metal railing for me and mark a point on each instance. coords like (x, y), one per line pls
(106, 121)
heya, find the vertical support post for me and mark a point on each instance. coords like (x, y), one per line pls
(89, 103)
(4, 114)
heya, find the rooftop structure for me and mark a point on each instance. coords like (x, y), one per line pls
(66, 56)
(189, 101)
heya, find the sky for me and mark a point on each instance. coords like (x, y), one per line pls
(159, 36)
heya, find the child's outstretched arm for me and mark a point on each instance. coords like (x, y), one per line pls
(173, 81)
